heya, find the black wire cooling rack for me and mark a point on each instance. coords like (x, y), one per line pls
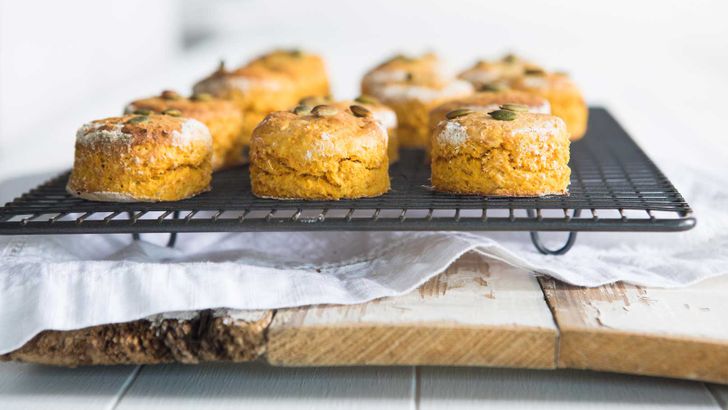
(614, 187)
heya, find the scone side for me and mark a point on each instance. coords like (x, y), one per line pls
(141, 173)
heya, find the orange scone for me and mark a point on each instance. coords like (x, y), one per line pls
(485, 74)
(141, 158)
(257, 91)
(400, 68)
(222, 118)
(271, 82)
(383, 114)
(414, 94)
(564, 96)
(319, 153)
(508, 152)
(307, 70)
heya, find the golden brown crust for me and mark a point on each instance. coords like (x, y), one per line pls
(307, 70)
(564, 96)
(477, 154)
(486, 72)
(319, 156)
(223, 118)
(401, 68)
(272, 82)
(382, 113)
(141, 158)
(489, 101)
(412, 87)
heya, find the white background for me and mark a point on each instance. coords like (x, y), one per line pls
(660, 66)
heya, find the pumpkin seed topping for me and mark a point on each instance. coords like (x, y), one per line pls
(302, 109)
(458, 113)
(201, 97)
(366, 99)
(503, 115)
(360, 111)
(137, 120)
(172, 112)
(493, 87)
(170, 95)
(324, 110)
(514, 107)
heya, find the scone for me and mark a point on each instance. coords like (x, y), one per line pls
(503, 153)
(272, 82)
(399, 69)
(485, 75)
(383, 114)
(564, 96)
(145, 158)
(327, 153)
(222, 118)
(490, 101)
(307, 70)
(413, 95)
(256, 91)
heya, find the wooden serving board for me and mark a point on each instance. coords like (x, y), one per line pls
(477, 313)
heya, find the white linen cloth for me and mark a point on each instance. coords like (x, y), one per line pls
(70, 282)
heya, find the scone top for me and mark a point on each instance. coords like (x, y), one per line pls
(490, 101)
(537, 80)
(405, 78)
(243, 82)
(321, 133)
(152, 129)
(486, 73)
(402, 68)
(295, 62)
(382, 113)
(475, 133)
(202, 107)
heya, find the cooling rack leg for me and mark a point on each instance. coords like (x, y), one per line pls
(172, 235)
(536, 238)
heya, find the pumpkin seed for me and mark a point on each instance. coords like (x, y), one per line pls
(510, 58)
(324, 110)
(313, 101)
(534, 71)
(137, 120)
(170, 95)
(201, 97)
(503, 115)
(493, 87)
(142, 111)
(366, 99)
(297, 53)
(172, 112)
(302, 109)
(514, 107)
(360, 111)
(458, 113)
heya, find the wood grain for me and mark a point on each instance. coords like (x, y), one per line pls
(475, 313)
(680, 333)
